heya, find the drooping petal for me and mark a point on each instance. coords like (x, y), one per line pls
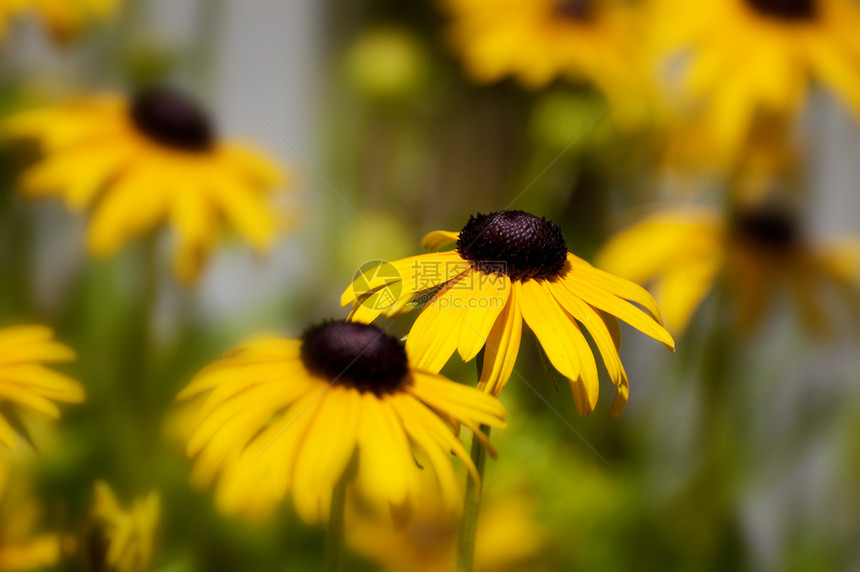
(460, 402)
(591, 319)
(502, 347)
(619, 286)
(617, 307)
(564, 344)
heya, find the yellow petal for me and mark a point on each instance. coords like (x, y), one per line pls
(246, 210)
(414, 419)
(27, 398)
(617, 307)
(483, 297)
(464, 404)
(255, 167)
(834, 67)
(414, 274)
(430, 342)
(438, 239)
(387, 469)
(418, 417)
(619, 286)
(328, 444)
(683, 290)
(564, 344)
(25, 334)
(502, 347)
(589, 317)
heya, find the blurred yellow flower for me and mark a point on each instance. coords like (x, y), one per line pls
(537, 41)
(758, 56)
(510, 266)
(769, 150)
(508, 537)
(153, 159)
(25, 383)
(760, 251)
(283, 415)
(64, 18)
(21, 547)
(125, 539)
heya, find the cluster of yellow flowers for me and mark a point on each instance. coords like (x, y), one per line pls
(346, 400)
(718, 67)
(65, 19)
(348, 408)
(726, 82)
(124, 538)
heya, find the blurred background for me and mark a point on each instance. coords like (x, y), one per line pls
(708, 151)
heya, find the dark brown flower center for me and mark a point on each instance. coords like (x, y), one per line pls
(515, 243)
(355, 355)
(172, 119)
(581, 10)
(785, 9)
(769, 229)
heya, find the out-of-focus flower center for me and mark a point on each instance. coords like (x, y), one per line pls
(787, 9)
(574, 9)
(769, 229)
(172, 119)
(515, 243)
(355, 355)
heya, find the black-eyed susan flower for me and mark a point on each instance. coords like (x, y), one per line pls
(508, 538)
(143, 162)
(510, 266)
(761, 251)
(25, 383)
(122, 540)
(64, 18)
(769, 150)
(755, 56)
(22, 545)
(280, 415)
(538, 41)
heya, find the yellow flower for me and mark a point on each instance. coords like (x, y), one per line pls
(507, 538)
(769, 150)
(537, 41)
(282, 415)
(21, 547)
(64, 18)
(153, 159)
(510, 266)
(760, 250)
(754, 56)
(124, 539)
(25, 383)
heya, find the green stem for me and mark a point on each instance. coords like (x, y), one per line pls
(471, 507)
(135, 370)
(334, 536)
(16, 254)
(140, 337)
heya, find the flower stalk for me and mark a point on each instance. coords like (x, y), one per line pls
(333, 560)
(471, 507)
